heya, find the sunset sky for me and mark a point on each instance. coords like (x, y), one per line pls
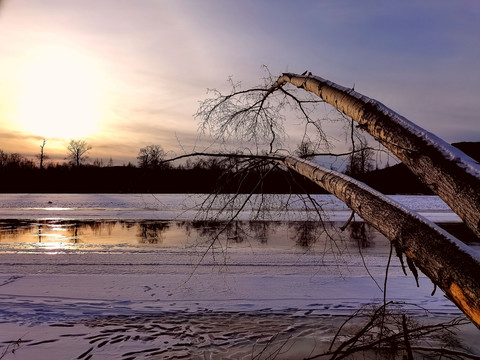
(123, 74)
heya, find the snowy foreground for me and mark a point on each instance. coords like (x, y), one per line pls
(173, 302)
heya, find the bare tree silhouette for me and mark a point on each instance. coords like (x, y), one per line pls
(42, 157)
(77, 150)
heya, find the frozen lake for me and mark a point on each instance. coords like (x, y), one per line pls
(76, 265)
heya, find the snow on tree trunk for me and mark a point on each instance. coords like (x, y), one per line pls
(449, 263)
(447, 171)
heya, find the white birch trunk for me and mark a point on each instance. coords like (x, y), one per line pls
(444, 169)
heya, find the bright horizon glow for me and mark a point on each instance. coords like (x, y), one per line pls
(126, 74)
(58, 96)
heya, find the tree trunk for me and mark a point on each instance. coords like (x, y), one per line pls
(444, 169)
(449, 263)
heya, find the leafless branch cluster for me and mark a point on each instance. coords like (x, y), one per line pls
(257, 115)
(77, 150)
(254, 120)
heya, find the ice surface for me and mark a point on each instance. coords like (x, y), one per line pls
(186, 207)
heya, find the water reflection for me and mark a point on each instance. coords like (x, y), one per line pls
(362, 233)
(94, 234)
(152, 232)
(237, 232)
(261, 229)
(306, 233)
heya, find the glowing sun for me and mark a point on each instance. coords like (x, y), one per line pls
(59, 94)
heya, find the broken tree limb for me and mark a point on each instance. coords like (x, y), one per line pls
(449, 263)
(444, 169)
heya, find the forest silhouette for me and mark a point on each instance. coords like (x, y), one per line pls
(20, 175)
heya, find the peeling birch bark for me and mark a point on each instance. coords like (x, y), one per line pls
(447, 171)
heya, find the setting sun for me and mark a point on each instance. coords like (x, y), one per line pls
(59, 94)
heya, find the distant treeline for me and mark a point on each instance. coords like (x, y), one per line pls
(131, 179)
(20, 175)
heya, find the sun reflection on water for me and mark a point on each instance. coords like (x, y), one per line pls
(56, 236)
(53, 248)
